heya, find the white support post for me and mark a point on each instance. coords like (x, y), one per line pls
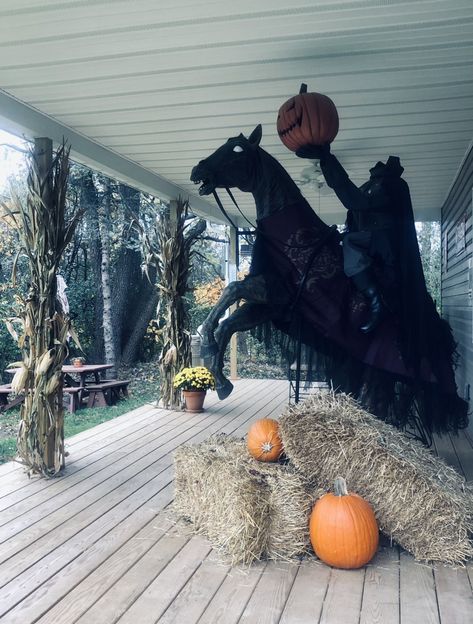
(232, 276)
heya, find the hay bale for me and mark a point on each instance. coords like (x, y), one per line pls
(248, 510)
(419, 501)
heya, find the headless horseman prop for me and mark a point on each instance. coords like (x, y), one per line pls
(400, 370)
(381, 255)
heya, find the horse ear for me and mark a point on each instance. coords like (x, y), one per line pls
(255, 136)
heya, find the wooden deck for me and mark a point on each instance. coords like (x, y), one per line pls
(99, 545)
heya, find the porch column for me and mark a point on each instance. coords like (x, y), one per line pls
(233, 262)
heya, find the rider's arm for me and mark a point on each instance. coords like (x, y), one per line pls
(336, 177)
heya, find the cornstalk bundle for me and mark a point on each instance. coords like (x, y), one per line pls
(168, 247)
(43, 327)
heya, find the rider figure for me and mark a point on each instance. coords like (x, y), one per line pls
(372, 225)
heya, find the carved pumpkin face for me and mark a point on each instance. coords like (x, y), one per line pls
(307, 119)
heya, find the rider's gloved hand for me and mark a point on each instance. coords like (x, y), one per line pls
(317, 152)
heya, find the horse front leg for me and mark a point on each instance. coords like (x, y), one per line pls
(245, 317)
(252, 288)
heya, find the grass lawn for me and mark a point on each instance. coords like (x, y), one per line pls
(143, 389)
(73, 423)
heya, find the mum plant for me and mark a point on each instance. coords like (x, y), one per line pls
(195, 379)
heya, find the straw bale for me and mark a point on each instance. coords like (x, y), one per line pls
(419, 501)
(249, 510)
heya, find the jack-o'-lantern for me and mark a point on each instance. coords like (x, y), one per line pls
(307, 119)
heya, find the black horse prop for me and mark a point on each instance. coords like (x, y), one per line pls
(297, 285)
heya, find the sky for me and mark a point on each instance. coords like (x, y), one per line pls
(10, 159)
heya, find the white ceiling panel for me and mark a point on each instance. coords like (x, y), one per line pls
(145, 89)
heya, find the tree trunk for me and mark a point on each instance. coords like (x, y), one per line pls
(104, 229)
(147, 311)
(93, 260)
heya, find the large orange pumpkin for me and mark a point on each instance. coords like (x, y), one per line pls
(307, 119)
(264, 442)
(343, 529)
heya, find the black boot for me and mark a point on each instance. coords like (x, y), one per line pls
(377, 311)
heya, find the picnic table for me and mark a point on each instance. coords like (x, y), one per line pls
(86, 370)
(99, 392)
(5, 402)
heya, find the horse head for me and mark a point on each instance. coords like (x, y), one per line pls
(231, 165)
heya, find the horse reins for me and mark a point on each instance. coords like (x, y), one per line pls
(224, 212)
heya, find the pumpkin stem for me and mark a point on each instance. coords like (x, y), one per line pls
(340, 487)
(303, 88)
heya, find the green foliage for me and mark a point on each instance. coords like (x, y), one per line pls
(7, 449)
(82, 297)
(150, 345)
(9, 351)
(428, 235)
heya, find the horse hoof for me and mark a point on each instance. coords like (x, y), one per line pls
(208, 350)
(225, 390)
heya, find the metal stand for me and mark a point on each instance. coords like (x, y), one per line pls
(298, 372)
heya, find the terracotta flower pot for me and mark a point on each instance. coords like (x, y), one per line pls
(194, 400)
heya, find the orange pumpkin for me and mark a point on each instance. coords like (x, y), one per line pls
(264, 442)
(307, 119)
(343, 529)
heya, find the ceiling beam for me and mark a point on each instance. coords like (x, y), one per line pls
(22, 120)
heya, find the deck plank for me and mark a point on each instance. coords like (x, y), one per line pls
(417, 592)
(124, 583)
(95, 545)
(29, 582)
(232, 596)
(139, 444)
(86, 459)
(91, 459)
(126, 468)
(191, 602)
(343, 599)
(163, 589)
(380, 603)
(127, 572)
(307, 595)
(454, 595)
(18, 478)
(271, 593)
(81, 491)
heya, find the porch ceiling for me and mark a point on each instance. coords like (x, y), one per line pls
(145, 89)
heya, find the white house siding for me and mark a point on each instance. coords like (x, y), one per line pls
(457, 271)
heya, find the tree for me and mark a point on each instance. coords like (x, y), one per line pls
(428, 235)
(104, 230)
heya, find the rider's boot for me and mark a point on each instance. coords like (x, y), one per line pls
(377, 310)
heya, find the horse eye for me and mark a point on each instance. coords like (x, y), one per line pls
(238, 148)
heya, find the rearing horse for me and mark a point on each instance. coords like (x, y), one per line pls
(296, 281)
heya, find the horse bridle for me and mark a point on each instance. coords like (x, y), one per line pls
(224, 212)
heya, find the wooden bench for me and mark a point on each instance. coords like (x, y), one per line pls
(107, 392)
(76, 394)
(5, 404)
